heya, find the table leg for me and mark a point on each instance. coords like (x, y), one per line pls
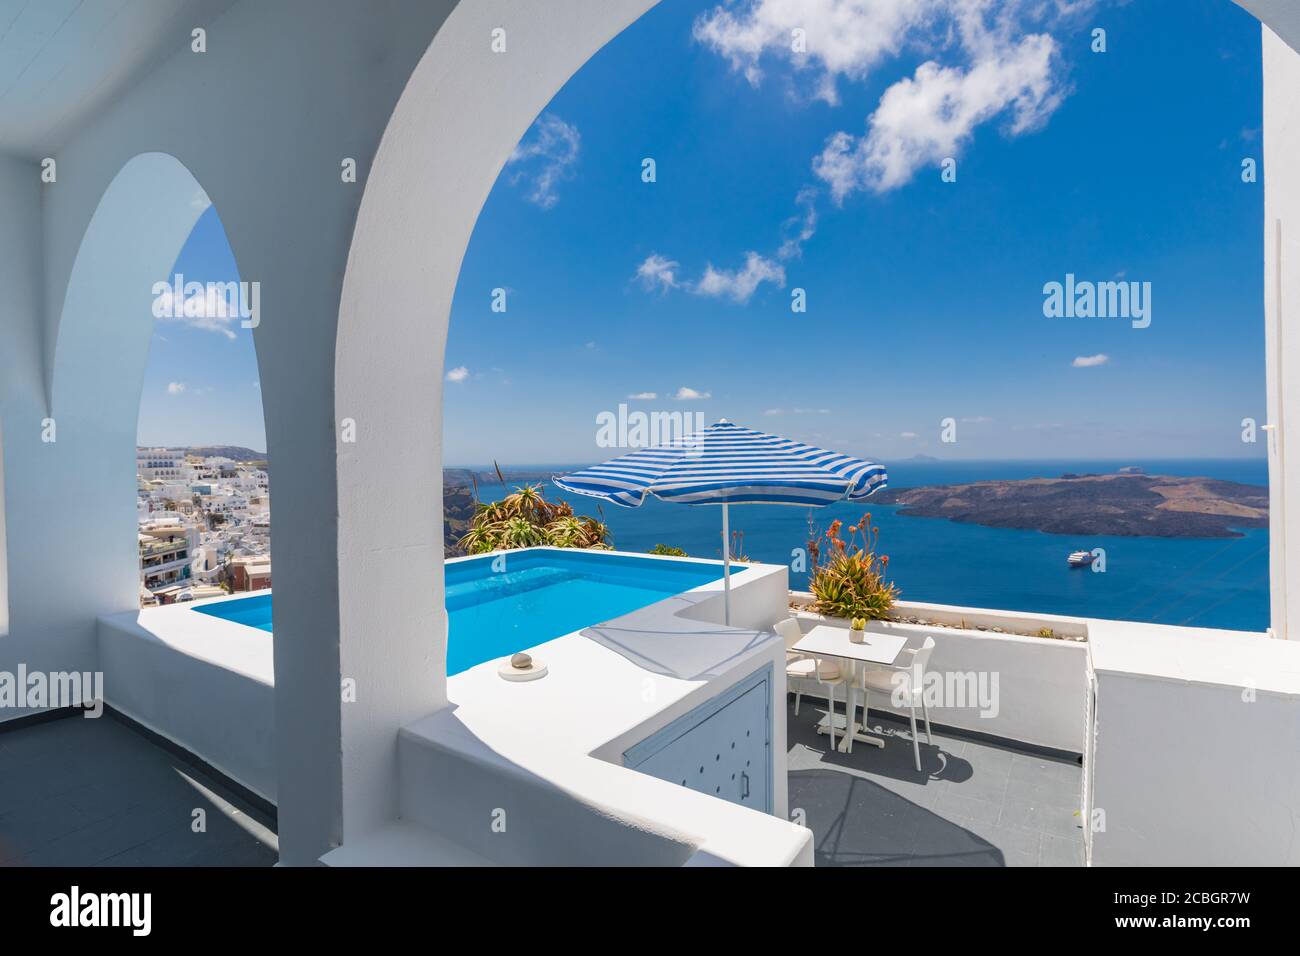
(850, 709)
(862, 734)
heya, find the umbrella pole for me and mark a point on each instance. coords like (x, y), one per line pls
(726, 567)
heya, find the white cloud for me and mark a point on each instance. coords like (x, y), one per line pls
(459, 374)
(643, 396)
(740, 285)
(983, 57)
(907, 434)
(929, 116)
(685, 394)
(1090, 361)
(213, 309)
(797, 411)
(544, 158)
(175, 388)
(844, 38)
(658, 272)
(800, 227)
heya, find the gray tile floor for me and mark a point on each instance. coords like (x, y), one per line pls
(79, 792)
(973, 804)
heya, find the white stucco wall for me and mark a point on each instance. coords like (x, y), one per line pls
(1282, 324)
(20, 230)
(435, 167)
(263, 119)
(4, 568)
(1193, 756)
(48, 630)
(203, 682)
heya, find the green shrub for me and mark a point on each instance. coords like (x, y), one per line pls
(525, 519)
(668, 551)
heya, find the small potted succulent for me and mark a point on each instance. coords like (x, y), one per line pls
(858, 630)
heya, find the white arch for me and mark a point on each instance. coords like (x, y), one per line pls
(434, 168)
(87, 472)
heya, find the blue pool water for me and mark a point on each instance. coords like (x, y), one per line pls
(538, 595)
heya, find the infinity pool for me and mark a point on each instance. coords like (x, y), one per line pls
(531, 597)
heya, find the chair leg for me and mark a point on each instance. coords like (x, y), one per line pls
(830, 713)
(797, 695)
(925, 709)
(850, 708)
(916, 745)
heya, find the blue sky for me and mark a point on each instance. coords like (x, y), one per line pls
(924, 297)
(201, 385)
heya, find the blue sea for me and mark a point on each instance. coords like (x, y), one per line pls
(1214, 582)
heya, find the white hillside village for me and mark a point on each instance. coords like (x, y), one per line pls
(204, 525)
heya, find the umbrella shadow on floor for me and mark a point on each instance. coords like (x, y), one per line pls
(857, 822)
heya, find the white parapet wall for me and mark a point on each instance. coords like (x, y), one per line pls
(204, 683)
(1193, 756)
(1028, 689)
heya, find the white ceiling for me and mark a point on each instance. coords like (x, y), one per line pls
(62, 60)
(1282, 15)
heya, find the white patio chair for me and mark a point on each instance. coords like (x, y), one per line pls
(909, 680)
(803, 667)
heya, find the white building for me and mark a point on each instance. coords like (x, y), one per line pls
(166, 551)
(161, 464)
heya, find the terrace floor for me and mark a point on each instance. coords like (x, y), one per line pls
(81, 792)
(78, 792)
(975, 803)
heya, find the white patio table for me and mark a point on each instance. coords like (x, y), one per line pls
(826, 641)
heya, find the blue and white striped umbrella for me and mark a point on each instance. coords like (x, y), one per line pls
(728, 464)
(725, 464)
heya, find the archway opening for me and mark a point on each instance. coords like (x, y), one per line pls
(633, 263)
(120, 280)
(203, 487)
